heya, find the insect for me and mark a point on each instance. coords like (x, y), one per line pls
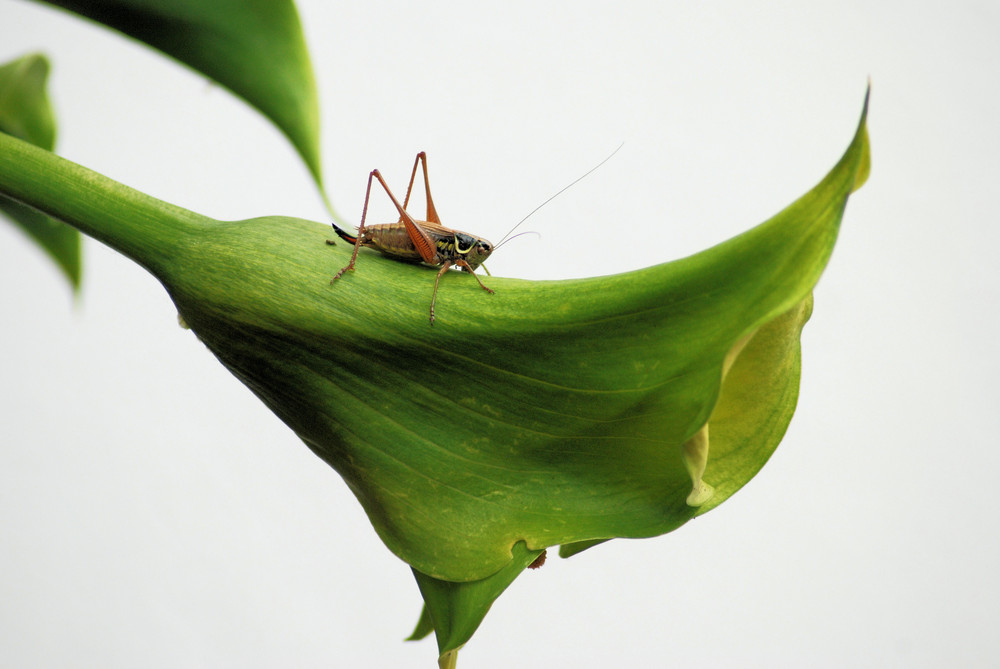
(428, 241)
(417, 241)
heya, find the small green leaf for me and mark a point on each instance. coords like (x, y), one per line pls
(25, 110)
(255, 48)
(456, 609)
(26, 113)
(425, 625)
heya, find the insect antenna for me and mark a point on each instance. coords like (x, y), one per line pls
(520, 234)
(560, 192)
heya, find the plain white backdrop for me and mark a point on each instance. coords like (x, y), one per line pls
(153, 513)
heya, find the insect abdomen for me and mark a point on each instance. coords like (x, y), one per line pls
(391, 239)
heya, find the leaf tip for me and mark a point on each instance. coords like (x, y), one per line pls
(865, 160)
(424, 626)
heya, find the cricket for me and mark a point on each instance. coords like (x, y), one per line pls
(417, 241)
(427, 241)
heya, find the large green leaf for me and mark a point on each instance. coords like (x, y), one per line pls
(640, 483)
(557, 412)
(255, 48)
(26, 113)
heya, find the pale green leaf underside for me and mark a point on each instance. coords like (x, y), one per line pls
(26, 113)
(255, 48)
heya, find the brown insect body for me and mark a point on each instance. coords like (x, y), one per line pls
(393, 239)
(417, 241)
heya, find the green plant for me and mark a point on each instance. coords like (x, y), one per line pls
(551, 415)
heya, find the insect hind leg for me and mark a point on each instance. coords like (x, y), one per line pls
(432, 214)
(361, 229)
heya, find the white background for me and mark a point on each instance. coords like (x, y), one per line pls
(153, 513)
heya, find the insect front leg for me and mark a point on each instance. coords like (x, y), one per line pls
(444, 268)
(468, 268)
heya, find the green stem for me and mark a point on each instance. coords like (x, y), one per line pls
(448, 660)
(140, 227)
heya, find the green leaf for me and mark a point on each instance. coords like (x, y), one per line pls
(554, 412)
(26, 113)
(25, 110)
(425, 625)
(455, 610)
(255, 48)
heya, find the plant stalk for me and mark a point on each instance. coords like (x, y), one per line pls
(144, 229)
